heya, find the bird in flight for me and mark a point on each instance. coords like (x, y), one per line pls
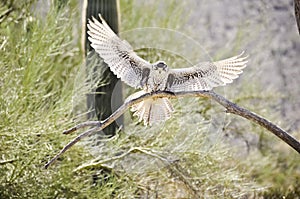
(150, 77)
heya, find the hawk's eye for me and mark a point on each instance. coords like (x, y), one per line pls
(161, 65)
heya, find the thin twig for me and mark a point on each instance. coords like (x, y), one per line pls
(70, 144)
(132, 150)
(81, 125)
(230, 108)
(5, 14)
(182, 175)
(7, 161)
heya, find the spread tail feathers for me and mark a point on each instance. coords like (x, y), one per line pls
(152, 110)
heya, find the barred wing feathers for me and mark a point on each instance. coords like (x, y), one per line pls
(206, 75)
(118, 54)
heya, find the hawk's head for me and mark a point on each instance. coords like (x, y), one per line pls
(160, 67)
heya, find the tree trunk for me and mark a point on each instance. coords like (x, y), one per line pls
(102, 103)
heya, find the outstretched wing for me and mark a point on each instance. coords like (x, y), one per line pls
(118, 54)
(206, 75)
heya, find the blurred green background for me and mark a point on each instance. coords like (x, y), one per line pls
(218, 155)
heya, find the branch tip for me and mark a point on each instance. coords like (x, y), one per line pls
(230, 107)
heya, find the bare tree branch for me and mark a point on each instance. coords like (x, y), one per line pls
(145, 151)
(230, 108)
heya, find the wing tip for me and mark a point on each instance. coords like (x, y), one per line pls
(93, 20)
(240, 56)
(100, 17)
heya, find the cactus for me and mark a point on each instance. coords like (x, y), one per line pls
(102, 103)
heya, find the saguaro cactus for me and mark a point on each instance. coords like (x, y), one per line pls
(102, 101)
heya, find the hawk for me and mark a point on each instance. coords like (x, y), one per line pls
(151, 77)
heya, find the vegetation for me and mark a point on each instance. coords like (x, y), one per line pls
(40, 57)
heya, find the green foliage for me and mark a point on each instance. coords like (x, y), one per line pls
(280, 172)
(38, 58)
(165, 15)
(187, 157)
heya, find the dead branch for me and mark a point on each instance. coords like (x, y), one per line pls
(229, 106)
(145, 151)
